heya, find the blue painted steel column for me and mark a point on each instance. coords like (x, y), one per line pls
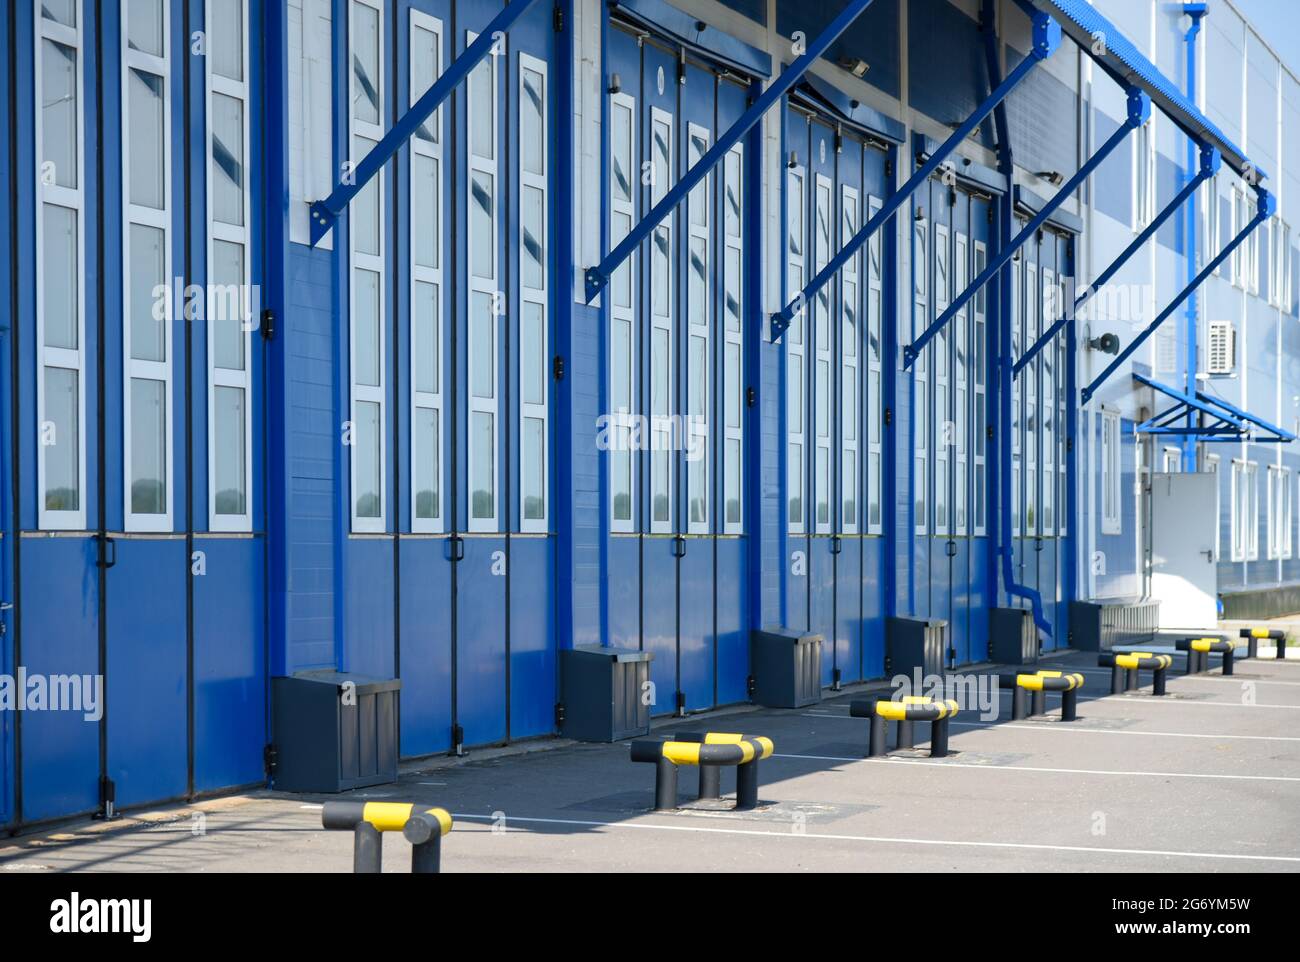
(1195, 11)
(1211, 160)
(1047, 37)
(1139, 110)
(1267, 206)
(598, 276)
(325, 212)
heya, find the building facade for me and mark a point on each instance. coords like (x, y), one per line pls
(246, 434)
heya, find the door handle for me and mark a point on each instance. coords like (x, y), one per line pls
(455, 548)
(679, 546)
(1209, 555)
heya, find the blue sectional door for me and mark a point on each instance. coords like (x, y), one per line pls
(677, 556)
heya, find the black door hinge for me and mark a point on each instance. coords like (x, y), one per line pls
(889, 168)
(458, 741)
(559, 715)
(680, 700)
(889, 417)
(988, 431)
(751, 397)
(557, 367)
(107, 799)
(270, 759)
(750, 686)
(835, 679)
(557, 18)
(268, 324)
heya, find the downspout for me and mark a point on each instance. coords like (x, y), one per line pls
(1002, 533)
(1195, 11)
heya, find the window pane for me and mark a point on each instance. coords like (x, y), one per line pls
(823, 486)
(731, 279)
(60, 11)
(365, 328)
(148, 171)
(699, 199)
(482, 346)
(425, 57)
(144, 23)
(365, 459)
(148, 446)
(59, 263)
(426, 225)
(227, 160)
(697, 299)
(622, 280)
(732, 377)
(481, 482)
(620, 363)
(532, 137)
(849, 411)
(364, 209)
(229, 475)
(481, 134)
(61, 441)
(794, 395)
(424, 318)
(533, 356)
(697, 406)
(533, 470)
(659, 273)
(850, 482)
(731, 480)
(794, 482)
(365, 63)
(534, 229)
(662, 165)
(481, 258)
(226, 296)
(148, 341)
(59, 113)
(427, 458)
(621, 148)
(731, 206)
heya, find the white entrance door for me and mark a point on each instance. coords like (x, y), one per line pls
(1184, 576)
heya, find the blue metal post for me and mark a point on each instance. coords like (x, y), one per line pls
(325, 212)
(1139, 110)
(1047, 37)
(1267, 205)
(598, 276)
(1195, 11)
(1211, 160)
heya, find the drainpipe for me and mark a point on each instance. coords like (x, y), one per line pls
(1195, 11)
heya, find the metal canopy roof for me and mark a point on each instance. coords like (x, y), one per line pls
(1123, 61)
(1229, 423)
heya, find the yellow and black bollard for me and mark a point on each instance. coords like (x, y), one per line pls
(422, 827)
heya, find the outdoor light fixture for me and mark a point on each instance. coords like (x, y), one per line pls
(794, 160)
(854, 65)
(615, 83)
(1107, 344)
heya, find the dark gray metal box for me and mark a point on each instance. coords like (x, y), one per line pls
(601, 691)
(912, 643)
(786, 668)
(1013, 637)
(325, 742)
(1101, 625)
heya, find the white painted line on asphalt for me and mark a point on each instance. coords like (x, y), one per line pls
(1071, 728)
(1054, 771)
(883, 839)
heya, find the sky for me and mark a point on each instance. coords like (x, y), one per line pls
(1279, 23)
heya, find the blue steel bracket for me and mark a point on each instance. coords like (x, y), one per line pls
(1267, 206)
(325, 213)
(1139, 112)
(597, 277)
(1211, 161)
(1279, 436)
(1046, 40)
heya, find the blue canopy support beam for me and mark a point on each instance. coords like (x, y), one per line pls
(1139, 111)
(1267, 206)
(1047, 38)
(325, 213)
(597, 277)
(1211, 161)
(1230, 422)
(1278, 435)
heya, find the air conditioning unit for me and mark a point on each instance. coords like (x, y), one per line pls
(1221, 348)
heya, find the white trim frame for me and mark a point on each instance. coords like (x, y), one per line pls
(661, 327)
(733, 339)
(534, 297)
(941, 414)
(478, 286)
(796, 467)
(1047, 404)
(1112, 488)
(158, 371)
(979, 410)
(850, 393)
(1032, 417)
(961, 390)
(424, 276)
(921, 377)
(823, 308)
(72, 199)
(699, 329)
(623, 313)
(241, 235)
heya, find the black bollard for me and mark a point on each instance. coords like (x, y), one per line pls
(665, 785)
(424, 832)
(367, 849)
(1040, 702)
(906, 735)
(1017, 701)
(1116, 680)
(939, 738)
(876, 745)
(1131, 680)
(747, 786)
(1281, 648)
(1069, 705)
(1158, 682)
(1227, 661)
(710, 781)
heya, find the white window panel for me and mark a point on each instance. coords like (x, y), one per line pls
(961, 386)
(534, 293)
(823, 382)
(796, 358)
(699, 299)
(428, 292)
(979, 375)
(850, 365)
(921, 376)
(368, 347)
(60, 258)
(1111, 488)
(875, 375)
(662, 387)
(623, 353)
(1047, 412)
(733, 342)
